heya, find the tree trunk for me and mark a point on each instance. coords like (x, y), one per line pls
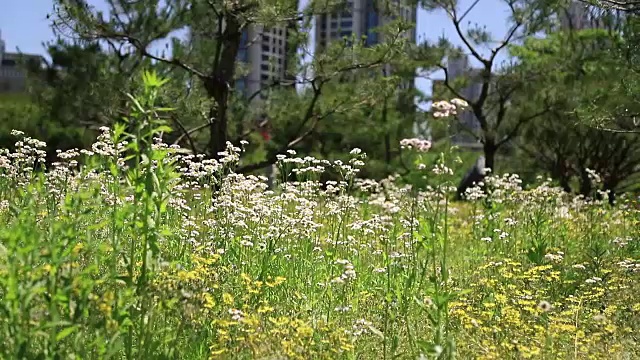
(560, 172)
(585, 183)
(387, 136)
(490, 150)
(220, 83)
(564, 183)
(387, 149)
(217, 130)
(610, 185)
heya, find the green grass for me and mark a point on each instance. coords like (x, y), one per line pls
(115, 261)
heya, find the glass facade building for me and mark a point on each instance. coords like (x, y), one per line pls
(361, 18)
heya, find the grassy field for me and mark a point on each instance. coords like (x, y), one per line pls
(113, 261)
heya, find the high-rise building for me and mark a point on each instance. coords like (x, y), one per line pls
(575, 16)
(361, 18)
(13, 78)
(579, 15)
(265, 54)
(364, 18)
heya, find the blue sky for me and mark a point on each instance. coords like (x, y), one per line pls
(24, 24)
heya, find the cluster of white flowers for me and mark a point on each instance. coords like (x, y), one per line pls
(419, 145)
(348, 272)
(196, 167)
(236, 315)
(442, 169)
(19, 164)
(630, 265)
(310, 165)
(231, 155)
(343, 309)
(622, 242)
(474, 193)
(501, 233)
(562, 212)
(367, 185)
(363, 327)
(593, 280)
(557, 257)
(246, 241)
(104, 145)
(502, 188)
(593, 175)
(444, 109)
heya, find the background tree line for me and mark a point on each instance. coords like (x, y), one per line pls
(563, 103)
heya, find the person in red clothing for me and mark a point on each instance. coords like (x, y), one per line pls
(264, 131)
(264, 127)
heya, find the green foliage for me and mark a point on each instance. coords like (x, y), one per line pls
(210, 111)
(500, 89)
(19, 112)
(610, 94)
(565, 142)
(83, 85)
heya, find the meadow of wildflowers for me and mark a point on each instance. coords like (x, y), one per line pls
(135, 254)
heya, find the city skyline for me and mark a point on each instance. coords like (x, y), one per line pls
(361, 18)
(25, 26)
(12, 78)
(264, 51)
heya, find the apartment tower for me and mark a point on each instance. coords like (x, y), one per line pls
(361, 18)
(580, 16)
(13, 78)
(265, 53)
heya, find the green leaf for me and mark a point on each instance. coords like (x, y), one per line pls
(375, 331)
(136, 103)
(162, 128)
(66, 332)
(151, 79)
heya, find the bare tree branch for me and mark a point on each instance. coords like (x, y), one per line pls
(144, 52)
(297, 137)
(623, 5)
(467, 43)
(447, 83)
(521, 121)
(505, 42)
(191, 131)
(185, 133)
